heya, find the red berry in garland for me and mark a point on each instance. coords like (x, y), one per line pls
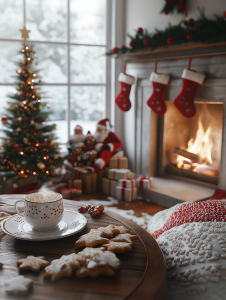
(170, 41)
(123, 47)
(25, 119)
(185, 23)
(140, 30)
(4, 120)
(114, 50)
(191, 21)
(146, 42)
(189, 36)
(17, 148)
(131, 44)
(166, 11)
(196, 27)
(224, 14)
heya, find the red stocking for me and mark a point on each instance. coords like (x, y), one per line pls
(122, 100)
(156, 102)
(185, 100)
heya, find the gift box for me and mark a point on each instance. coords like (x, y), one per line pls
(118, 153)
(117, 174)
(131, 175)
(127, 183)
(103, 173)
(118, 163)
(75, 183)
(70, 193)
(109, 186)
(143, 182)
(89, 181)
(125, 194)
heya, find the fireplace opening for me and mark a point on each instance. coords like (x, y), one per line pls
(192, 147)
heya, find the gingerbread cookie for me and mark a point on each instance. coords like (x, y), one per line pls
(63, 267)
(118, 247)
(18, 285)
(32, 263)
(125, 237)
(108, 231)
(85, 272)
(91, 239)
(122, 229)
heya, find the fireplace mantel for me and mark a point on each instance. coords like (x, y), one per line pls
(175, 52)
(141, 125)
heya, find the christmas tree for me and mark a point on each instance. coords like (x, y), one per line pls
(29, 147)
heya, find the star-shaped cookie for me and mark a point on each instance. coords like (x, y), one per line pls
(63, 267)
(125, 237)
(108, 231)
(85, 272)
(91, 239)
(118, 247)
(18, 285)
(32, 263)
(122, 229)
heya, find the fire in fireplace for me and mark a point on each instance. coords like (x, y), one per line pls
(192, 147)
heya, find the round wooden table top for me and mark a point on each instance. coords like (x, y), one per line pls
(142, 274)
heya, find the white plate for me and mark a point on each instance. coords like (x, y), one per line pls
(71, 223)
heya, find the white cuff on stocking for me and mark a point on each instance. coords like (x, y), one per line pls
(193, 76)
(160, 78)
(126, 79)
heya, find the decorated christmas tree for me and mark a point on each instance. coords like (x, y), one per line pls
(29, 146)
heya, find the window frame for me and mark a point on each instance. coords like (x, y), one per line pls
(68, 44)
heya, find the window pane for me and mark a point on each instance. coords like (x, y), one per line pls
(87, 21)
(87, 64)
(4, 91)
(9, 56)
(52, 60)
(47, 20)
(56, 97)
(11, 18)
(87, 107)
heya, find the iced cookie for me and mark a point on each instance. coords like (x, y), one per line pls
(18, 285)
(85, 272)
(91, 239)
(122, 229)
(32, 263)
(125, 237)
(118, 247)
(63, 267)
(108, 231)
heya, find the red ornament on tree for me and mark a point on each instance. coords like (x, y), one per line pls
(140, 30)
(189, 36)
(146, 42)
(170, 41)
(166, 11)
(224, 14)
(122, 100)
(131, 44)
(17, 148)
(196, 27)
(114, 50)
(156, 102)
(123, 47)
(25, 119)
(185, 23)
(191, 21)
(4, 120)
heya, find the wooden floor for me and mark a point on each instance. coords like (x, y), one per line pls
(137, 206)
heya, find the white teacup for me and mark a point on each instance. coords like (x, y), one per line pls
(42, 210)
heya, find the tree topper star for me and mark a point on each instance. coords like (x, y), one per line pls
(25, 33)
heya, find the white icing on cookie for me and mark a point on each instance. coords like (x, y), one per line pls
(18, 285)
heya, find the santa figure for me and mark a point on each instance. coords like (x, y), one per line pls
(89, 142)
(76, 140)
(107, 143)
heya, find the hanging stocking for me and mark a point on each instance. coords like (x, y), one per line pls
(156, 101)
(122, 100)
(185, 100)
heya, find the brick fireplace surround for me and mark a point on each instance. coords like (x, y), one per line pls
(143, 129)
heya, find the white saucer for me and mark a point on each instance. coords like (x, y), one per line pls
(71, 223)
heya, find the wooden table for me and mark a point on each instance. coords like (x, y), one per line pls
(142, 274)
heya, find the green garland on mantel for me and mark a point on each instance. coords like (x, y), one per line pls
(203, 30)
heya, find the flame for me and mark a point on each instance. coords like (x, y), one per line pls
(202, 146)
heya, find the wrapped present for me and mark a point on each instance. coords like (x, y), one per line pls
(126, 194)
(143, 182)
(119, 153)
(66, 176)
(131, 175)
(127, 183)
(109, 186)
(70, 193)
(75, 183)
(117, 174)
(103, 173)
(118, 163)
(89, 182)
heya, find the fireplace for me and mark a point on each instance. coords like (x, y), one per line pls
(185, 157)
(192, 147)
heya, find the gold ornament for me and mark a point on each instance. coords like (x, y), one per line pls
(41, 166)
(40, 107)
(25, 33)
(15, 185)
(25, 140)
(18, 129)
(32, 122)
(4, 178)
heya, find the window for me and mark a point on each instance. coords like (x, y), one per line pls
(69, 37)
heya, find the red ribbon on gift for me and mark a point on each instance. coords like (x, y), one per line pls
(141, 180)
(123, 193)
(118, 163)
(124, 182)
